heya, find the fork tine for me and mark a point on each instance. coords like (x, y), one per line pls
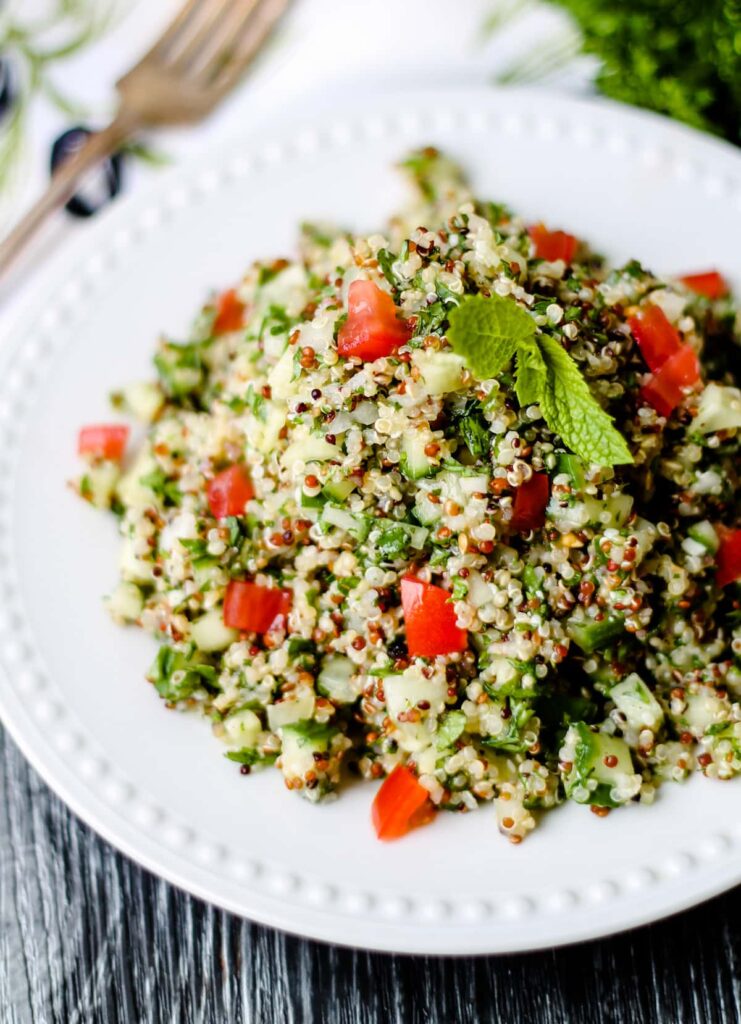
(217, 43)
(198, 32)
(228, 66)
(171, 32)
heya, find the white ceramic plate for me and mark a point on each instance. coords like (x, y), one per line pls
(72, 690)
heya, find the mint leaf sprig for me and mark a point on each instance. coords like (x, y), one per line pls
(490, 332)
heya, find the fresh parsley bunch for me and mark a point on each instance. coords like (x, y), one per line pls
(491, 333)
(679, 57)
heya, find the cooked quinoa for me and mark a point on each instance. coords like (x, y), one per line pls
(598, 657)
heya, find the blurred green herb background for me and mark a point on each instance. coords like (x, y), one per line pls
(678, 57)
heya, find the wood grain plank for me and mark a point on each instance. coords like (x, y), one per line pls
(87, 937)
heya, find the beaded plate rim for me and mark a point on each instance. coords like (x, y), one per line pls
(98, 792)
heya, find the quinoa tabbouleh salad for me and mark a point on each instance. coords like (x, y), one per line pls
(454, 507)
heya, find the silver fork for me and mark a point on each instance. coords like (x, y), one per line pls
(200, 56)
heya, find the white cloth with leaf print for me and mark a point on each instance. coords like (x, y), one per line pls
(60, 59)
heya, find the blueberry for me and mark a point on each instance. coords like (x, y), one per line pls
(99, 185)
(8, 93)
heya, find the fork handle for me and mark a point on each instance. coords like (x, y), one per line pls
(63, 184)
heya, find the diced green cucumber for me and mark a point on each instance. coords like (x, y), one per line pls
(704, 709)
(205, 571)
(298, 705)
(591, 635)
(98, 485)
(404, 692)
(645, 533)
(441, 372)
(126, 602)
(468, 484)
(311, 500)
(130, 489)
(280, 378)
(210, 634)
(268, 426)
(427, 511)
(414, 464)
(336, 681)
(598, 764)
(309, 449)
(301, 741)
(719, 408)
(134, 568)
(637, 703)
(143, 399)
(705, 534)
(339, 488)
(617, 510)
(356, 524)
(242, 729)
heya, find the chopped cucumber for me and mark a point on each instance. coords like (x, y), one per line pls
(335, 680)
(705, 534)
(357, 525)
(339, 488)
(242, 729)
(404, 692)
(130, 489)
(143, 399)
(309, 449)
(591, 635)
(414, 464)
(617, 510)
(719, 408)
(602, 772)
(704, 709)
(210, 634)
(280, 378)
(477, 483)
(637, 703)
(427, 511)
(441, 372)
(126, 602)
(134, 569)
(298, 705)
(268, 426)
(301, 741)
(98, 485)
(310, 500)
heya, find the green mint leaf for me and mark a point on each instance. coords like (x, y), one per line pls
(571, 410)
(488, 332)
(532, 374)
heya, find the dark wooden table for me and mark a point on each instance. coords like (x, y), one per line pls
(86, 936)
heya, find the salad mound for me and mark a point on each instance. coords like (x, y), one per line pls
(454, 507)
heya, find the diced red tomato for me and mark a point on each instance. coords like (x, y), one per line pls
(252, 608)
(429, 618)
(666, 388)
(103, 441)
(229, 491)
(373, 328)
(656, 337)
(710, 283)
(728, 558)
(229, 313)
(531, 499)
(401, 804)
(553, 245)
